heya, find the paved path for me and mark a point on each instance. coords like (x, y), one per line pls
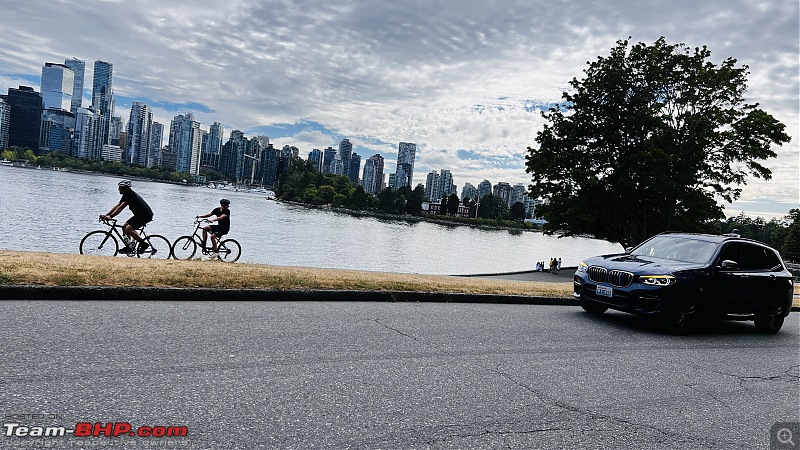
(363, 375)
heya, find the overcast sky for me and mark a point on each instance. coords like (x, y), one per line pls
(463, 79)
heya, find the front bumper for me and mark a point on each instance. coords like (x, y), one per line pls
(636, 298)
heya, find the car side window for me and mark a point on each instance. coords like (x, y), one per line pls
(756, 257)
(731, 252)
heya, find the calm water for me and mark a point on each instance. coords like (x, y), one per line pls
(50, 211)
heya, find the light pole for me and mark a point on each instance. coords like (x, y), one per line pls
(255, 161)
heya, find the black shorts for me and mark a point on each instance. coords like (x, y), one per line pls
(218, 230)
(138, 221)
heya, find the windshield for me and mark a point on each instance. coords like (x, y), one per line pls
(677, 249)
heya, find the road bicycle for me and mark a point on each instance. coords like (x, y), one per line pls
(107, 242)
(185, 247)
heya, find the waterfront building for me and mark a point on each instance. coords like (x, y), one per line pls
(185, 140)
(484, 189)
(103, 99)
(432, 190)
(78, 68)
(315, 157)
(212, 146)
(83, 138)
(337, 165)
(328, 155)
(469, 192)
(57, 129)
(270, 162)
(139, 124)
(5, 117)
(57, 84)
(405, 164)
(502, 190)
(392, 181)
(446, 185)
(156, 142)
(111, 153)
(115, 132)
(232, 156)
(345, 150)
(169, 159)
(518, 194)
(25, 121)
(372, 178)
(354, 168)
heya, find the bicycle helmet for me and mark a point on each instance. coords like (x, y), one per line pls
(225, 201)
(126, 183)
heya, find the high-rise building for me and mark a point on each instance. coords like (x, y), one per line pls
(315, 157)
(83, 139)
(156, 140)
(5, 117)
(354, 168)
(484, 189)
(78, 69)
(103, 99)
(518, 194)
(405, 164)
(345, 150)
(58, 82)
(139, 124)
(372, 179)
(329, 155)
(186, 139)
(25, 123)
(446, 185)
(115, 132)
(212, 146)
(469, 192)
(433, 191)
(502, 190)
(232, 157)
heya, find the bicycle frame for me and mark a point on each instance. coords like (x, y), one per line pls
(113, 236)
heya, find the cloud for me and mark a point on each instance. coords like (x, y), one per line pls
(465, 80)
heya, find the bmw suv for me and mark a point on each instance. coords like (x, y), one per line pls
(681, 278)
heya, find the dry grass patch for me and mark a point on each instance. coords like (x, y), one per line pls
(52, 269)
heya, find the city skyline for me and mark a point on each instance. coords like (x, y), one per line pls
(465, 84)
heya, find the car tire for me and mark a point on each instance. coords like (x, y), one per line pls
(770, 320)
(593, 308)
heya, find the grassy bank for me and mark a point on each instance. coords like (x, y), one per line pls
(53, 269)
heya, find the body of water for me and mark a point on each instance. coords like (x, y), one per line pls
(45, 210)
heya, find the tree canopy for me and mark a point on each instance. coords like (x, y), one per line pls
(648, 141)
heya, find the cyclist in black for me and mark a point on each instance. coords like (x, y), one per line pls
(142, 214)
(222, 216)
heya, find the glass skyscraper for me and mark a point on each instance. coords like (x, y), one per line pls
(405, 164)
(58, 82)
(78, 69)
(103, 99)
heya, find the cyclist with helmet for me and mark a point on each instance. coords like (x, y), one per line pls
(142, 214)
(222, 216)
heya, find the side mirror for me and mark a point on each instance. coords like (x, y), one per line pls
(729, 265)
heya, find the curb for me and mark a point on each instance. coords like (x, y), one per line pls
(29, 292)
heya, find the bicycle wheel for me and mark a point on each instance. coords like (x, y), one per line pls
(159, 248)
(229, 250)
(99, 243)
(184, 248)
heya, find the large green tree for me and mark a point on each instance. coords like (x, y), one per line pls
(648, 141)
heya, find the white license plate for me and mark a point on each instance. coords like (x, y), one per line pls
(605, 291)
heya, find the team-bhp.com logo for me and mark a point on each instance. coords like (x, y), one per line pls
(87, 429)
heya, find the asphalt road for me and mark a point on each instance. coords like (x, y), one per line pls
(362, 375)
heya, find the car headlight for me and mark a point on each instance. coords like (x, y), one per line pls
(582, 267)
(657, 280)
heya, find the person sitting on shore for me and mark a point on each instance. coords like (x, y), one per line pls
(538, 266)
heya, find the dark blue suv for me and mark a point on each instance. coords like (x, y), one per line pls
(681, 278)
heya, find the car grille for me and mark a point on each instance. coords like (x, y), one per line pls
(613, 277)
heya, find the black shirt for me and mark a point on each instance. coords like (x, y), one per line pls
(138, 206)
(224, 224)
